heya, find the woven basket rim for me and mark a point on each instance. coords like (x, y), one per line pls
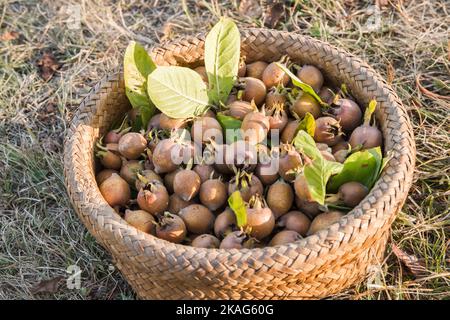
(363, 210)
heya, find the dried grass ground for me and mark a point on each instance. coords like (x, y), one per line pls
(40, 233)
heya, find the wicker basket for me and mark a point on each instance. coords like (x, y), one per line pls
(314, 267)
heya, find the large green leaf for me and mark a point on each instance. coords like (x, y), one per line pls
(137, 65)
(237, 204)
(222, 49)
(317, 175)
(318, 171)
(299, 83)
(177, 91)
(304, 143)
(231, 127)
(362, 166)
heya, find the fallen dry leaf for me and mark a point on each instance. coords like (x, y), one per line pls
(50, 107)
(350, 3)
(47, 286)
(51, 144)
(382, 3)
(48, 65)
(250, 8)
(390, 73)
(47, 113)
(413, 264)
(9, 35)
(427, 92)
(273, 14)
(167, 31)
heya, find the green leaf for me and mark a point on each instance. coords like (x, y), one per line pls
(380, 164)
(362, 166)
(222, 50)
(344, 89)
(137, 124)
(317, 174)
(370, 110)
(177, 91)
(137, 65)
(304, 143)
(299, 83)
(231, 127)
(308, 124)
(318, 171)
(228, 122)
(384, 163)
(238, 206)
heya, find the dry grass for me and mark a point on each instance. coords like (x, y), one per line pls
(40, 234)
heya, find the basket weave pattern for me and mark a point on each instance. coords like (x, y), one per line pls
(317, 266)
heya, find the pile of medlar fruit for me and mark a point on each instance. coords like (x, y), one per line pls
(173, 180)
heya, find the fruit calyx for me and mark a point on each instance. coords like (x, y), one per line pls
(242, 179)
(257, 202)
(114, 135)
(164, 219)
(102, 149)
